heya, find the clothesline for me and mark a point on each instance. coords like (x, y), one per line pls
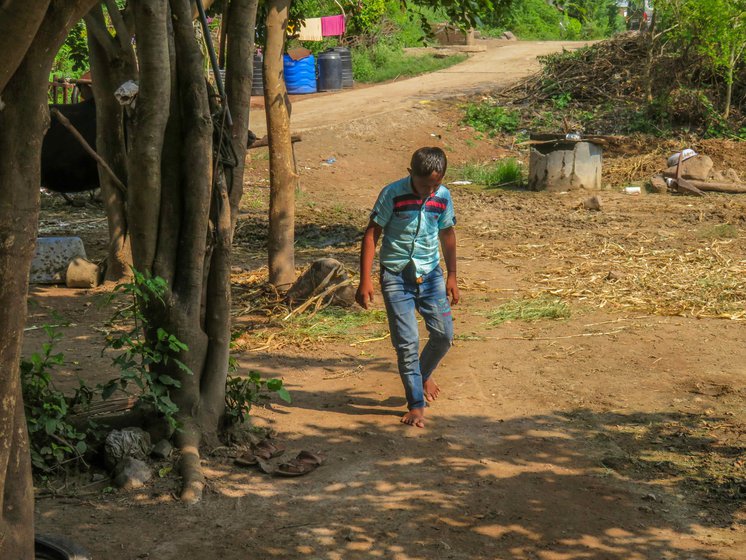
(315, 29)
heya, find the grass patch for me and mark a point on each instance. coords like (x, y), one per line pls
(334, 323)
(383, 62)
(719, 231)
(503, 173)
(490, 118)
(529, 310)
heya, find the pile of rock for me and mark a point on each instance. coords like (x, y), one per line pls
(691, 173)
(126, 452)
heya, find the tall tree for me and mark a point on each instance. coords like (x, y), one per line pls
(30, 35)
(282, 174)
(182, 204)
(181, 208)
(113, 63)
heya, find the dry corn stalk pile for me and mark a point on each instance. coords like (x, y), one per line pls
(700, 282)
(608, 70)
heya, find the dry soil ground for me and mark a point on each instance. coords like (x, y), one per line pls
(616, 433)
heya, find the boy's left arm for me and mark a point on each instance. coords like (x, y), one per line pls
(448, 243)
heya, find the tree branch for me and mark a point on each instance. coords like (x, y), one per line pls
(96, 26)
(19, 22)
(123, 33)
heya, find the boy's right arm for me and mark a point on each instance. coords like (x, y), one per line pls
(364, 294)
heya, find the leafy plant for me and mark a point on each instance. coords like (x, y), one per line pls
(491, 118)
(54, 439)
(145, 349)
(72, 59)
(241, 393)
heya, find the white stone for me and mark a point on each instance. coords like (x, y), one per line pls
(53, 255)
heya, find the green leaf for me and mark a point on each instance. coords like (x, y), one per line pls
(168, 380)
(50, 426)
(284, 395)
(164, 471)
(81, 447)
(274, 384)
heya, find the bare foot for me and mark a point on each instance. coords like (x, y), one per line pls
(431, 389)
(415, 417)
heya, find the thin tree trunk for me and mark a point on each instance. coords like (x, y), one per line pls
(112, 64)
(224, 212)
(151, 116)
(23, 119)
(281, 169)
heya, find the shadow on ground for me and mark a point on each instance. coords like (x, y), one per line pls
(567, 485)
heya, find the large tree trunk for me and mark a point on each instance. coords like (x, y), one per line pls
(41, 27)
(112, 63)
(282, 175)
(182, 207)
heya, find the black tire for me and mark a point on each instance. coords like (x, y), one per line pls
(53, 547)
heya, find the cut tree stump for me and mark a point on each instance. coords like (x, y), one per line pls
(565, 166)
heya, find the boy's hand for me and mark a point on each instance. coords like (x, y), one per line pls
(452, 289)
(364, 294)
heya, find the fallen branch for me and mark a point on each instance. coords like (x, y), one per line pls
(730, 188)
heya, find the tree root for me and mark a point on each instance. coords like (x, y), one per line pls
(190, 467)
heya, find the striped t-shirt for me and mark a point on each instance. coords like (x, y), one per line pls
(411, 225)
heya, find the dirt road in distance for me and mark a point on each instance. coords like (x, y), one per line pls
(501, 64)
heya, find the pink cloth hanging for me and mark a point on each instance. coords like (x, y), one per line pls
(332, 25)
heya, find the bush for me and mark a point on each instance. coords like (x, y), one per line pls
(490, 118)
(54, 440)
(385, 62)
(503, 173)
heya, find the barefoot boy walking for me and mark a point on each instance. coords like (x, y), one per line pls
(413, 214)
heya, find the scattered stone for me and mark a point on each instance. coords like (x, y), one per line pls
(696, 168)
(593, 203)
(310, 283)
(659, 185)
(650, 497)
(53, 255)
(99, 477)
(131, 473)
(509, 36)
(82, 273)
(162, 449)
(128, 442)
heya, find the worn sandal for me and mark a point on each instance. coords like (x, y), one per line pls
(267, 450)
(248, 459)
(304, 463)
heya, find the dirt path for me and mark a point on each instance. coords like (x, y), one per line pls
(502, 63)
(614, 434)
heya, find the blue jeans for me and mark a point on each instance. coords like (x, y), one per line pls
(403, 295)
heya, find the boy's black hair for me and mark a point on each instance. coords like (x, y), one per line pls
(427, 160)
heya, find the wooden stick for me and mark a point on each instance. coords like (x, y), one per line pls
(91, 152)
(264, 141)
(732, 188)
